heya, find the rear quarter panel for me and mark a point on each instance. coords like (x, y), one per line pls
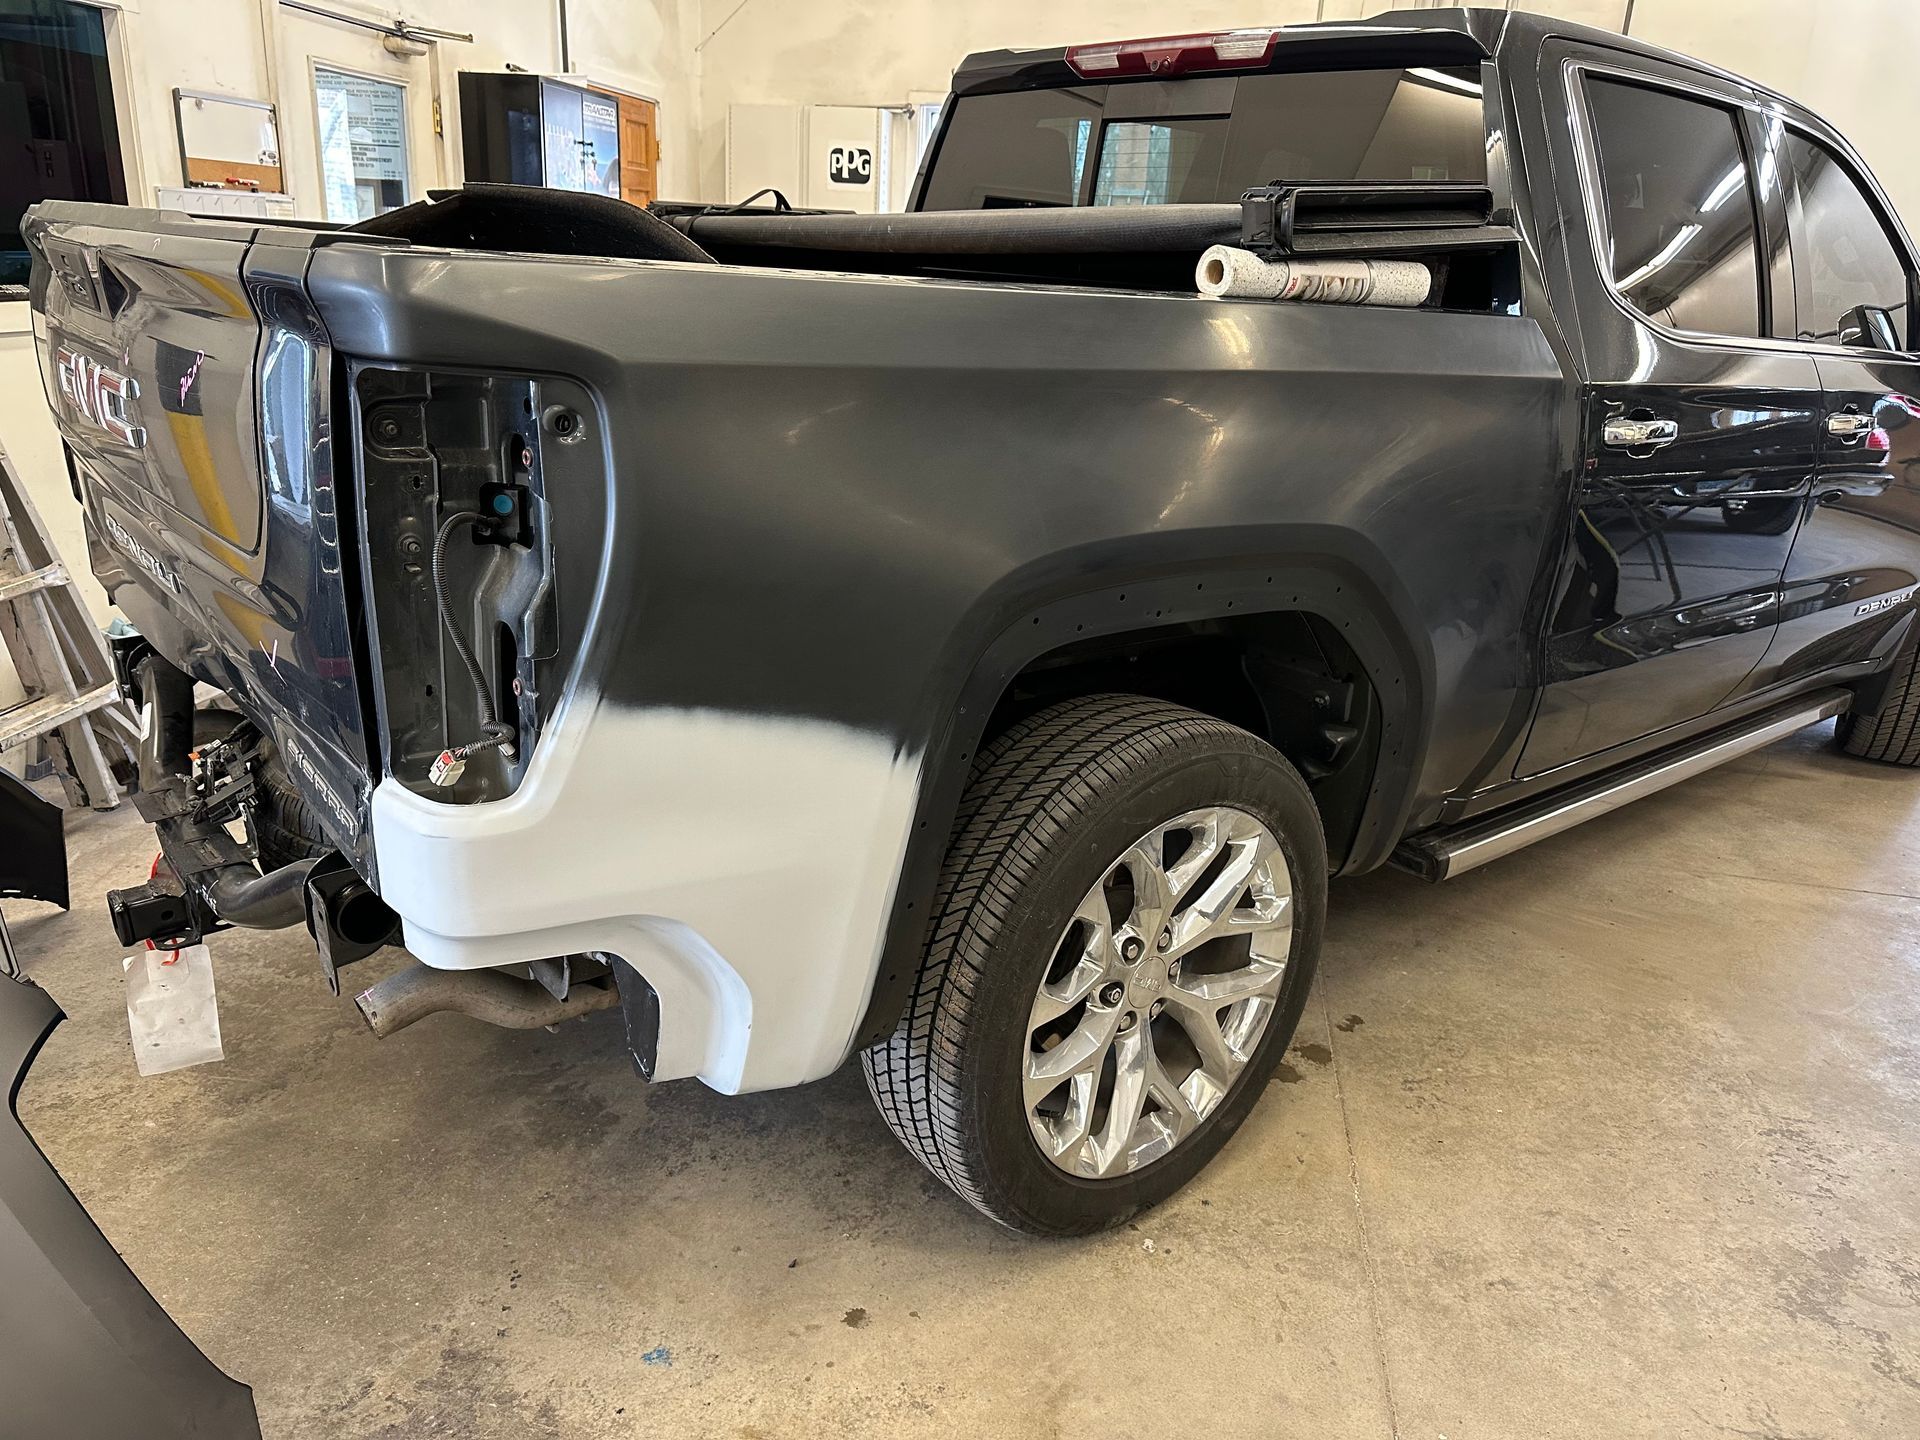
(832, 496)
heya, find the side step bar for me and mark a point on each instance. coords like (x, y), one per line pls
(1442, 854)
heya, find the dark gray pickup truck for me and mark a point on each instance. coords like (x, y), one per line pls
(955, 639)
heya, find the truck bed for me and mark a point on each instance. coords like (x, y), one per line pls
(800, 528)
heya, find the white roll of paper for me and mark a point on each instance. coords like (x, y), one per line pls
(1229, 273)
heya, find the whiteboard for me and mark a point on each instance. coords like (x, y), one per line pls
(227, 142)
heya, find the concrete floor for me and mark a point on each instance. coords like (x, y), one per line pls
(1615, 1138)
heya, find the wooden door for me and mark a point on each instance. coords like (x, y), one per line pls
(639, 150)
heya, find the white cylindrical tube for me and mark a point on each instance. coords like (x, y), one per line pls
(1229, 273)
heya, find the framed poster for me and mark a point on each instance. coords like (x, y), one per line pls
(580, 139)
(600, 144)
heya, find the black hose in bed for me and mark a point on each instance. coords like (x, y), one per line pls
(1065, 230)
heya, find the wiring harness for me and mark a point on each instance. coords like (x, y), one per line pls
(495, 734)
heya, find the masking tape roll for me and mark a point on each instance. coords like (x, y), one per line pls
(1229, 273)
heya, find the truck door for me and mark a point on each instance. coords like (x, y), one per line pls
(1856, 559)
(1699, 432)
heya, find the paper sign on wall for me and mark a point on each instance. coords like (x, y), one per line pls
(375, 112)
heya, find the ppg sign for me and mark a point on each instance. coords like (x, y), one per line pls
(848, 165)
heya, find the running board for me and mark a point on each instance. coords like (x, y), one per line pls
(1442, 854)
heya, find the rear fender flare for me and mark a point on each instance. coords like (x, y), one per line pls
(1330, 573)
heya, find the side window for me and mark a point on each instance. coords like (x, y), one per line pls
(1679, 208)
(1842, 254)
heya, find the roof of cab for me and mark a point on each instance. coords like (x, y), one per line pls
(1461, 35)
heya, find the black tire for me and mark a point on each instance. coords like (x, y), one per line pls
(285, 827)
(1048, 806)
(1892, 732)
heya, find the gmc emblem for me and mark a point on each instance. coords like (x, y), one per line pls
(102, 397)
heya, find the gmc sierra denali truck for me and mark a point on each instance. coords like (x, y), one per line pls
(950, 639)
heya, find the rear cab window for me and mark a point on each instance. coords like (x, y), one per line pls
(1207, 141)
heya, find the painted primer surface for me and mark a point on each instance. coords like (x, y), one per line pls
(744, 864)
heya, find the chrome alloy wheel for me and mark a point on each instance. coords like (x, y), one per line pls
(1158, 992)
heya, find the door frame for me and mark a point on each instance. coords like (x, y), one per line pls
(297, 43)
(1584, 288)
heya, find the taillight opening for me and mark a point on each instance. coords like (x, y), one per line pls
(1174, 54)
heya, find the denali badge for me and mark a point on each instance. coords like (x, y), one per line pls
(1886, 602)
(100, 396)
(140, 554)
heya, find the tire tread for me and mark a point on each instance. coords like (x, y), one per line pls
(1892, 733)
(1025, 790)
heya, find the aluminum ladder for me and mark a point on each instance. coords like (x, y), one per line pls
(72, 701)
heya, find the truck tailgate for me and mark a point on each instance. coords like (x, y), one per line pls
(193, 384)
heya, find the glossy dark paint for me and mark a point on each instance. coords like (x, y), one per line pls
(1857, 549)
(86, 1353)
(236, 572)
(1856, 553)
(1451, 37)
(872, 501)
(901, 474)
(1863, 677)
(1666, 606)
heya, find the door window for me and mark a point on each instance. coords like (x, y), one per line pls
(1842, 255)
(363, 143)
(1679, 208)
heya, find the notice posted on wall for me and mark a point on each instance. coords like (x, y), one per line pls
(363, 142)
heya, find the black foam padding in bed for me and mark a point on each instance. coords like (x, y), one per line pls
(536, 219)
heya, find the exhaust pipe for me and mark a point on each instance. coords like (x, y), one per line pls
(242, 896)
(419, 991)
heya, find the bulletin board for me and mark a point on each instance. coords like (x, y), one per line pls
(228, 142)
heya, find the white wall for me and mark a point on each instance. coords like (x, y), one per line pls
(644, 47)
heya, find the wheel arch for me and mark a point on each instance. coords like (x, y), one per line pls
(1328, 577)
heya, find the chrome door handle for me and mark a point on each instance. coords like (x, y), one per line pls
(1625, 434)
(1849, 424)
